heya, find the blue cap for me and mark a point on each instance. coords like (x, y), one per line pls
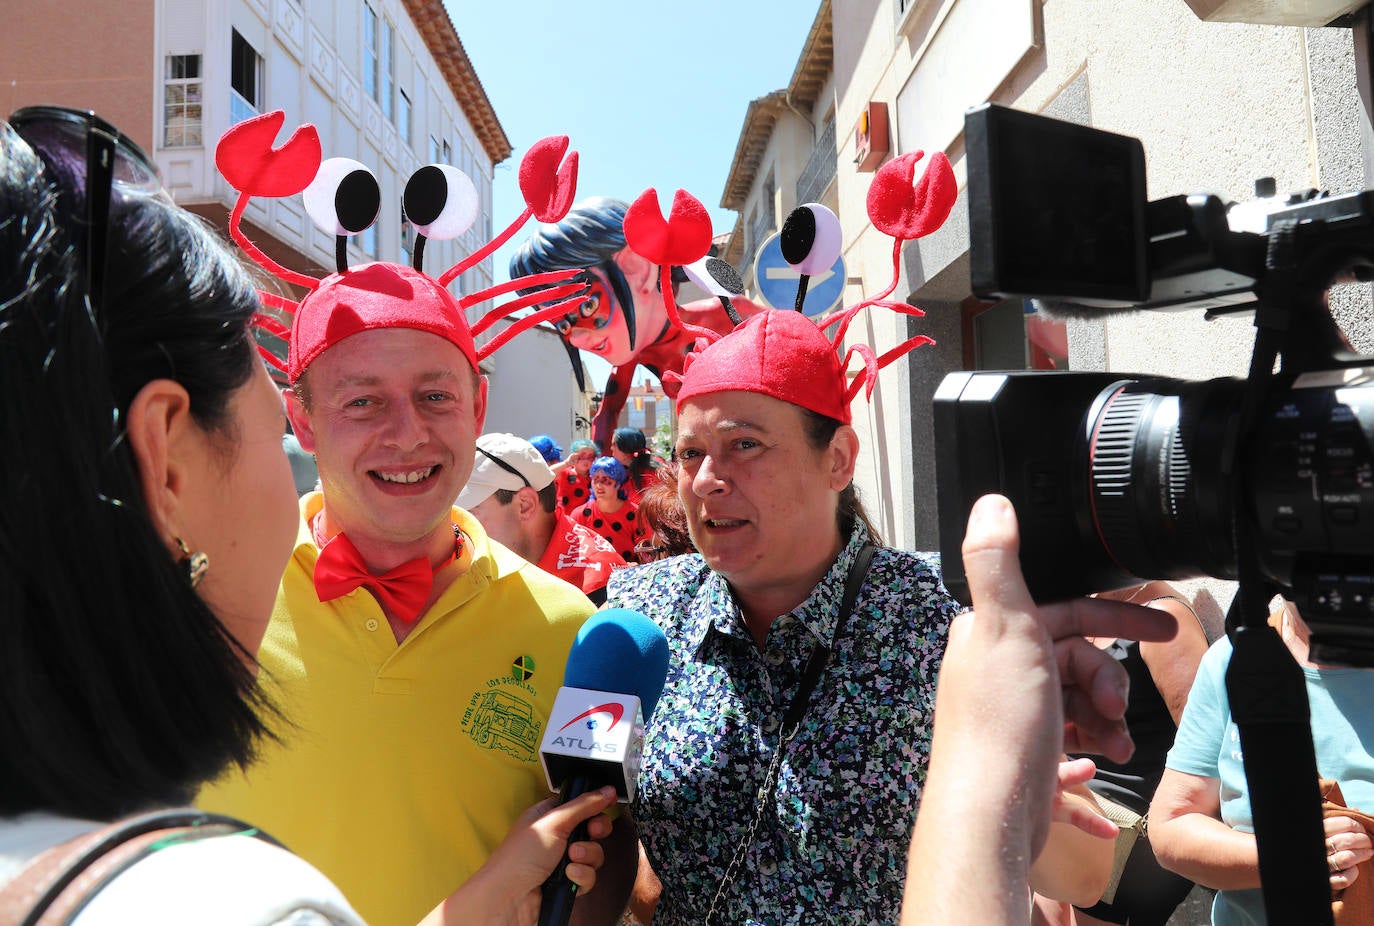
(620, 651)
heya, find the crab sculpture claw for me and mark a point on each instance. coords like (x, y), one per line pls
(548, 185)
(682, 239)
(247, 159)
(904, 206)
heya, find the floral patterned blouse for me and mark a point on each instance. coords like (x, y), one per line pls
(832, 840)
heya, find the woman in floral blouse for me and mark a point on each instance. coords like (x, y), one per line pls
(758, 803)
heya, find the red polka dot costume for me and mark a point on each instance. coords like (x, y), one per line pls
(574, 491)
(622, 528)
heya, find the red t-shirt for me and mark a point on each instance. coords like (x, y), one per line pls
(579, 555)
(574, 491)
(622, 528)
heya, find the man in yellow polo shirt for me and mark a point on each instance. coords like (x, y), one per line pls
(414, 662)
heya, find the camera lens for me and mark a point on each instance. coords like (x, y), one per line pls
(1160, 489)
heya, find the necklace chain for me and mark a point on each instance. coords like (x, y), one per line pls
(764, 793)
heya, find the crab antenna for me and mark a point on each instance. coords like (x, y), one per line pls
(271, 325)
(548, 313)
(730, 309)
(418, 261)
(261, 259)
(271, 358)
(534, 279)
(566, 291)
(482, 253)
(665, 277)
(341, 253)
(803, 281)
(846, 316)
(272, 300)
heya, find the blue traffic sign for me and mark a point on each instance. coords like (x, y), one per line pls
(777, 281)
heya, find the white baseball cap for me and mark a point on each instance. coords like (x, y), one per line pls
(504, 461)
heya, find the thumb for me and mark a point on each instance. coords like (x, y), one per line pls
(990, 549)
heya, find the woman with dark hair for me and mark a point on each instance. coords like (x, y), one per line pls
(146, 513)
(631, 448)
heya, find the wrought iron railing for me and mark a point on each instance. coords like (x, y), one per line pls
(820, 167)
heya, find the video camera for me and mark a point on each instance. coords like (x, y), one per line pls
(1117, 477)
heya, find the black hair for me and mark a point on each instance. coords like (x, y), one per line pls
(819, 430)
(633, 442)
(590, 235)
(119, 687)
(548, 497)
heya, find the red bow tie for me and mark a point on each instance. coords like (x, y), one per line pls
(403, 591)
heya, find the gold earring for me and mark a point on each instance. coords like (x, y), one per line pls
(196, 564)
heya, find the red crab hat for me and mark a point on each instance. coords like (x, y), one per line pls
(343, 199)
(780, 354)
(783, 353)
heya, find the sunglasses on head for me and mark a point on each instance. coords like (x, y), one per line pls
(84, 153)
(507, 467)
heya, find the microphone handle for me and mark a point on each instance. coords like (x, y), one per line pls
(555, 909)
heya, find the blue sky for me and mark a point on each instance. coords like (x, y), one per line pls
(652, 93)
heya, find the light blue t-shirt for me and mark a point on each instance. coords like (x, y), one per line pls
(1208, 744)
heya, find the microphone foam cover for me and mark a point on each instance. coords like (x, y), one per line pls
(620, 651)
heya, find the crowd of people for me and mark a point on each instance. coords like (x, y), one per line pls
(326, 705)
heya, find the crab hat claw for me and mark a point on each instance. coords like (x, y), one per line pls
(247, 159)
(548, 185)
(682, 239)
(905, 207)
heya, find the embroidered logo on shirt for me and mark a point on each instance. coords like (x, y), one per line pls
(501, 719)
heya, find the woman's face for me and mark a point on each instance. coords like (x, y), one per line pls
(606, 490)
(244, 513)
(760, 500)
(582, 461)
(624, 458)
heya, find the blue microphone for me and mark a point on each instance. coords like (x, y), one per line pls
(595, 735)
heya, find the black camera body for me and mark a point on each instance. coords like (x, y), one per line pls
(1117, 478)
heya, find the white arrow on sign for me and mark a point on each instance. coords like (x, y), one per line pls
(787, 273)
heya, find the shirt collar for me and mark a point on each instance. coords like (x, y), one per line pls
(715, 607)
(476, 556)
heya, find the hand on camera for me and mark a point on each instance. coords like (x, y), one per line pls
(1020, 684)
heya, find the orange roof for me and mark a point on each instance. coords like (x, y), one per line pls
(435, 27)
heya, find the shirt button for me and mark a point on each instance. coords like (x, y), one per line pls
(770, 723)
(372, 623)
(768, 867)
(774, 658)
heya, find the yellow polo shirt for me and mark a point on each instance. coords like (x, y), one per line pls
(407, 763)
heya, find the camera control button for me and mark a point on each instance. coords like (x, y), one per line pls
(1343, 514)
(1287, 523)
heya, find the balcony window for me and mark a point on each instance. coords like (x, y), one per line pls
(820, 167)
(245, 79)
(371, 53)
(386, 70)
(181, 102)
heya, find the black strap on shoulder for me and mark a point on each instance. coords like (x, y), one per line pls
(91, 848)
(820, 656)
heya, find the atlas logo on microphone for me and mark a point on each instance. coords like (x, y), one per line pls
(593, 715)
(603, 728)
